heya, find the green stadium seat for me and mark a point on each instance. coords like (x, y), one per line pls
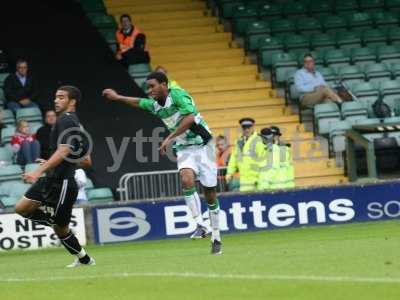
(255, 31)
(309, 25)
(393, 35)
(296, 41)
(31, 167)
(227, 7)
(267, 47)
(242, 17)
(384, 19)
(292, 92)
(100, 195)
(7, 117)
(359, 20)
(322, 41)
(348, 39)
(367, 93)
(93, 6)
(89, 184)
(294, 9)
(369, 136)
(329, 74)
(9, 201)
(18, 188)
(354, 110)
(394, 69)
(6, 156)
(325, 115)
(2, 97)
(3, 77)
(390, 91)
(34, 126)
(270, 11)
(362, 56)
(333, 23)
(374, 37)
(388, 54)
(320, 8)
(108, 35)
(281, 64)
(101, 20)
(337, 57)
(392, 5)
(282, 26)
(351, 74)
(367, 5)
(346, 6)
(7, 133)
(377, 72)
(337, 135)
(10, 172)
(29, 114)
(139, 70)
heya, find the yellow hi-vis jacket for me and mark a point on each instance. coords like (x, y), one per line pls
(268, 167)
(285, 176)
(245, 158)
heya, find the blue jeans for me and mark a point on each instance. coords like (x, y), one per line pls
(13, 105)
(28, 153)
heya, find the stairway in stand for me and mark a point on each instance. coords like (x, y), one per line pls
(184, 38)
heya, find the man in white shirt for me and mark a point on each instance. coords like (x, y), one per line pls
(311, 85)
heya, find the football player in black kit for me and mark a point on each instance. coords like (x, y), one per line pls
(58, 190)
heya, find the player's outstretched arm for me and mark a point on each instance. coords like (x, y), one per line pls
(112, 95)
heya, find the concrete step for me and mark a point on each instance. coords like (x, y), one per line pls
(202, 55)
(223, 106)
(220, 37)
(321, 181)
(218, 86)
(186, 31)
(215, 71)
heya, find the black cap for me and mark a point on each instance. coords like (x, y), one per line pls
(275, 130)
(266, 132)
(246, 122)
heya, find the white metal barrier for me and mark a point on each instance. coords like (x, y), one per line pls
(157, 185)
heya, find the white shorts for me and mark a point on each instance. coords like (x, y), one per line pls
(202, 160)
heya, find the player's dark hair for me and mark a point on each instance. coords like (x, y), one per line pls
(21, 61)
(160, 77)
(125, 16)
(73, 92)
(308, 55)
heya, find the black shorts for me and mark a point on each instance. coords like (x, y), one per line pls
(59, 194)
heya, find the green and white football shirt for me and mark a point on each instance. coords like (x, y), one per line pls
(177, 105)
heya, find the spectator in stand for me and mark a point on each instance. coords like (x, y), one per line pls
(223, 151)
(43, 133)
(131, 43)
(25, 144)
(172, 84)
(311, 85)
(81, 181)
(19, 88)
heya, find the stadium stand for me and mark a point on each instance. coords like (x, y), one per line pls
(203, 59)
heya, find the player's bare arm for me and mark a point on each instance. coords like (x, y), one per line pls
(112, 95)
(85, 163)
(185, 124)
(57, 157)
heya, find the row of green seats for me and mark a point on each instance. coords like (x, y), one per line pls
(92, 5)
(305, 7)
(259, 32)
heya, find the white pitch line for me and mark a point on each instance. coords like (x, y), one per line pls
(345, 279)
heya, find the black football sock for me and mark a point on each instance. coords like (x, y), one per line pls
(72, 245)
(41, 217)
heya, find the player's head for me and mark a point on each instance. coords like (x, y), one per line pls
(161, 69)
(247, 125)
(157, 86)
(67, 98)
(126, 22)
(22, 127)
(309, 62)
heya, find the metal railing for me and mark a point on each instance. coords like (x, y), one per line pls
(158, 185)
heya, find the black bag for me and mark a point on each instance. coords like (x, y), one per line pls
(381, 109)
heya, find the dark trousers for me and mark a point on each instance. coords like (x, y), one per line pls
(136, 55)
(28, 153)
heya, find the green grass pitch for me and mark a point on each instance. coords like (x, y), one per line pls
(357, 261)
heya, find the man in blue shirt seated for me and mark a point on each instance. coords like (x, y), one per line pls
(311, 85)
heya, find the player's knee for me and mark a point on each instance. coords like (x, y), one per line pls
(210, 194)
(22, 209)
(61, 231)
